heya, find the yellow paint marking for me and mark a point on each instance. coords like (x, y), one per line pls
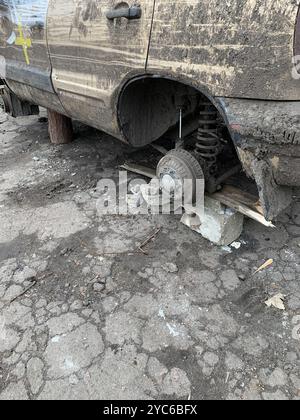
(23, 42)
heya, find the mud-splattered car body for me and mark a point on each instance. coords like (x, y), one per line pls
(129, 75)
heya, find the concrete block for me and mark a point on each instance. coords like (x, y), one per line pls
(219, 224)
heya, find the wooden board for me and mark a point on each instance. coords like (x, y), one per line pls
(242, 202)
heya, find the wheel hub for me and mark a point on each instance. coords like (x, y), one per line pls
(173, 172)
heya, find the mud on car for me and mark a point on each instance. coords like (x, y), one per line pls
(215, 83)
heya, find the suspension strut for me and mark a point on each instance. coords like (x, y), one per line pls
(208, 142)
(209, 145)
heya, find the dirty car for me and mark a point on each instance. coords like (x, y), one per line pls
(216, 83)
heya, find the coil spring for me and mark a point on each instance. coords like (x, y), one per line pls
(208, 142)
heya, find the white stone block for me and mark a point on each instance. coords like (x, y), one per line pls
(219, 224)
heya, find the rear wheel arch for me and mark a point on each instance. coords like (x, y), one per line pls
(128, 99)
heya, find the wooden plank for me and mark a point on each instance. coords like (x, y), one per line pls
(243, 197)
(242, 202)
(139, 169)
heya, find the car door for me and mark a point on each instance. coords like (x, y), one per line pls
(94, 46)
(24, 47)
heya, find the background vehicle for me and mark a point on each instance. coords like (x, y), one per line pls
(213, 78)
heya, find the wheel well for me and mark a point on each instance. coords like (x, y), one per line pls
(148, 107)
(177, 115)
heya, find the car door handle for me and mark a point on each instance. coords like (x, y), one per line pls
(133, 12)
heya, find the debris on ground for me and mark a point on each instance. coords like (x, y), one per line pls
(276, 301)
(236, 245)
(148, 240)
(267, 264)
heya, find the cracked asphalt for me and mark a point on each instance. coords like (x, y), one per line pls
(84, 315)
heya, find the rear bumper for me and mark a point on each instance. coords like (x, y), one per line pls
(267, 138)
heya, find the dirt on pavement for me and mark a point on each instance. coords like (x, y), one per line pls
(84, 314)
